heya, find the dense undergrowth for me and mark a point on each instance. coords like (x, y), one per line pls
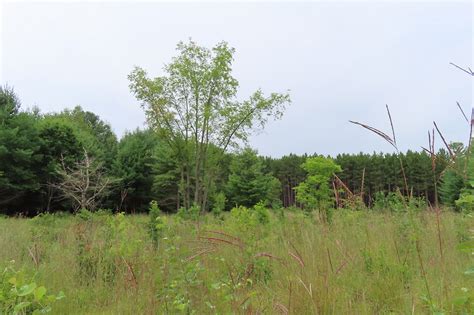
(246, 261)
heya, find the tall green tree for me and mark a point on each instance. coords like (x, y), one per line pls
(454, 179)
(194, 106)
(58, 145)
(19, 158)
(95, 135)
(248, 184)
(134, 165)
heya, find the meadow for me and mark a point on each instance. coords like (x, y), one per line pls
(247, 261)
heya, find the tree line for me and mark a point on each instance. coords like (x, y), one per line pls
(36, 151)
(193, 152)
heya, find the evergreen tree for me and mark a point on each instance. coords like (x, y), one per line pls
(248, 184)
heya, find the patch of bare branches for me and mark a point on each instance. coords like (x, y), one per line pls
(85, 183)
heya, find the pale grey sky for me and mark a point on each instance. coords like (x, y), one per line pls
(340, 60)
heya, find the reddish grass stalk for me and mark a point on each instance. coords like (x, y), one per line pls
(391, 141)
(444, 141)
(215, 240)
(202, 252)
(282, 308)
(297, 258)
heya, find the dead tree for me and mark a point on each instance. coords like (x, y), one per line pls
(84, 184)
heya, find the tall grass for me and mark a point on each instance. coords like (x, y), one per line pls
(362, 263)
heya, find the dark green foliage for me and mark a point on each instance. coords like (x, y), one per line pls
(9, 103)
(134, 165)
(383, 174)
(19, 157)
(59, 147)
(94, 134)
(451, 186)
(33, 147)
(465, 202)
(166, 180)
(288, 171)
(156, 225)
(248, 184)
(218, 203)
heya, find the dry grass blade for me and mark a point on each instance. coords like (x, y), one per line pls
(216, 240)
(297, 258)
(462, 69)
(224, 234)
(308, 289)
(431, 139)
(462, 112)
(339, 269)
(444, 141)
(391, 125)
(426, 150)
(202, 252)
(132, 278)
(376, 131)
(281, 308)
(34, 256)
(268, 255)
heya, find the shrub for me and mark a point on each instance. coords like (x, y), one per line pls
(242, 216)
(260, 213)
(156, 225)
(219, 204)
(20, 294)
(465, 202)
(189, 214)
(248, 218)
(392, 201)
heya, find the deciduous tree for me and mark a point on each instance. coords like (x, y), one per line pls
(194, 106)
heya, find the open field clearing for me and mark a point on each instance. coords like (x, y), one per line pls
(249, 261)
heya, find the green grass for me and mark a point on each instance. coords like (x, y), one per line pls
(361, 263)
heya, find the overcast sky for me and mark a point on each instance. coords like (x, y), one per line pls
(340, 61)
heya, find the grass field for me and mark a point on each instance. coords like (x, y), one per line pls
(361, 263)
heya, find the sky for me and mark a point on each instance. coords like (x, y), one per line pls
(341, 61)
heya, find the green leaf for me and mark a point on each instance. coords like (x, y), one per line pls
(39, 293)
(27, 289)
(466, 247)
(21, 306)
(60, 295)
(470, 271)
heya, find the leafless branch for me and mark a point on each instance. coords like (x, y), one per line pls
(85, 183)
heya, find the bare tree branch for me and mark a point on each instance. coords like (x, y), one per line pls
(85, 184)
